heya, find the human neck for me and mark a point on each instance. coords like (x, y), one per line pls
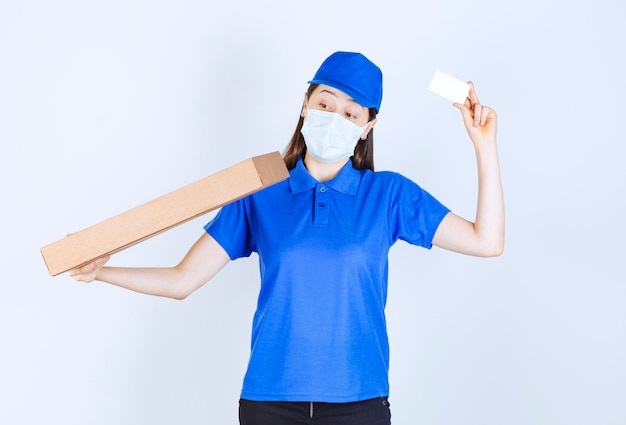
(321, 171)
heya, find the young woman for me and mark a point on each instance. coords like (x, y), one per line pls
(319, 341)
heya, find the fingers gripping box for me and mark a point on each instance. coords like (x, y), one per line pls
(165, 212)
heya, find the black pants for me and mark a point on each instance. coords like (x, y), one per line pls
(368, 412)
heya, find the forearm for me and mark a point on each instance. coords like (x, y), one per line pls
(203, 261)
(489, 222)
(164, 282)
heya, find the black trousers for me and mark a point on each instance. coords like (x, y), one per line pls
(368, 412)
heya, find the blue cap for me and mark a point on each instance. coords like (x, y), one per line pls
(353, 74)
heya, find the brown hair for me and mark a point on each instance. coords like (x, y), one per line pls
(363, 158)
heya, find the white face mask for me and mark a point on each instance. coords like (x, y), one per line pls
(328, 136)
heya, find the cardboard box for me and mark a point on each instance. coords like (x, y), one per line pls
(165, 212)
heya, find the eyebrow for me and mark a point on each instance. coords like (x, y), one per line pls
(332, 93)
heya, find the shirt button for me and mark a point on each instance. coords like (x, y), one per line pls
(323, 189)
(321, 204)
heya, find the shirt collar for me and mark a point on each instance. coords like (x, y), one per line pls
(347, 180)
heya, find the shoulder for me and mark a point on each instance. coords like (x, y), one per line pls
(389, 179)
(396, 187)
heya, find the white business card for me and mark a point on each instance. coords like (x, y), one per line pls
(449, 87)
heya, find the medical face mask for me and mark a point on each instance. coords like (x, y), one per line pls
(328, 136)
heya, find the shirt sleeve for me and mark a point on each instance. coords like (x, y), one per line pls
(231, 229)
(415, 213)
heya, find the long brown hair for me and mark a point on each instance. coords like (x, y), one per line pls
(363, 158)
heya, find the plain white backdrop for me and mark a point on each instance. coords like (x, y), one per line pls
(106, 105)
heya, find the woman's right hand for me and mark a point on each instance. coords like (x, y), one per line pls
(89, 271)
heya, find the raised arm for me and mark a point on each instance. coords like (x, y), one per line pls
(485, 236)
(205, 258)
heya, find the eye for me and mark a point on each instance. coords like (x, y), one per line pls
(323, 105)
(352, 115)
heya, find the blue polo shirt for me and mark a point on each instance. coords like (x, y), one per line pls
(319, 331)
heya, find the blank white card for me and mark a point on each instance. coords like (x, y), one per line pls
(449, 87)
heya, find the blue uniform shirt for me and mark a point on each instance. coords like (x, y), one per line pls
(319, 331)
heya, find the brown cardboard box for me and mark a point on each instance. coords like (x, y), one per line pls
(165, 212)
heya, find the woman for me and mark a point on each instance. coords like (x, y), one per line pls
(319, 340)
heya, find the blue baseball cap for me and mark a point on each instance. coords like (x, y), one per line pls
(353, 74)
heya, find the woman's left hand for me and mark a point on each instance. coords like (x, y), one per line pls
(480, 121)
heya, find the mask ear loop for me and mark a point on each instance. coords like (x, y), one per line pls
(365, 127)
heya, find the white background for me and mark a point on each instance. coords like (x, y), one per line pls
(105, 105)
